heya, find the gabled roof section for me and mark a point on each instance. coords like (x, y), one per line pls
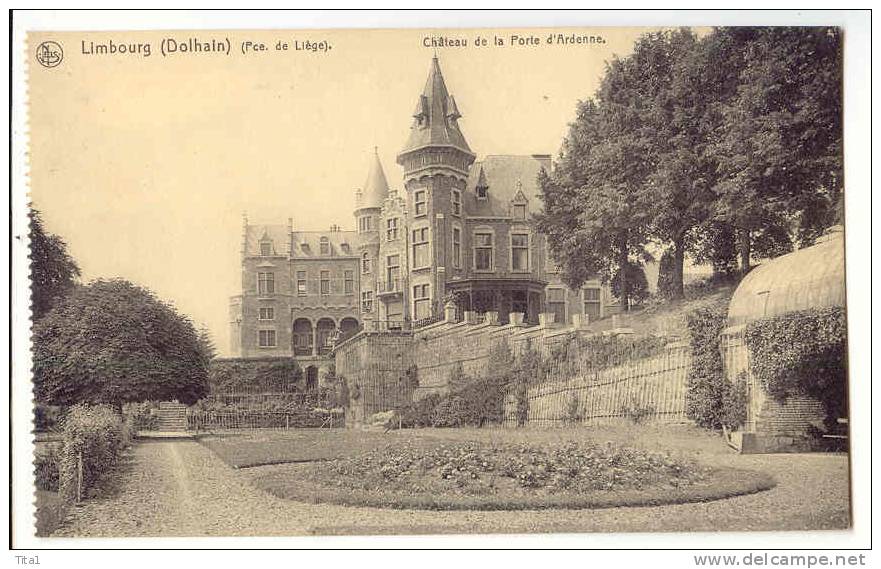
(509, 179)
(435, 118)
(376, 188)
(276, 234)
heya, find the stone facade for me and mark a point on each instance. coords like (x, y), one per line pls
(457, 230)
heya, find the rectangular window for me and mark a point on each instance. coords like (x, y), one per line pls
(519, 252)
(266, 338)
(557, 304)
(392, 272)
(391, 232)
(367, 301)
(301, 283)
(365, 263)
(349, 282)
(421, 302)
(591, 297)
(267, 313)
(456, 199)
(420, 248)
(483, 251)
(325, 282)
(457, 248)
(265, 283)
(266, 248)
(419, 200)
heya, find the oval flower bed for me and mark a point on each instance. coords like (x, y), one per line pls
(469, 475)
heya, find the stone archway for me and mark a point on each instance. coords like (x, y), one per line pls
(348, 327)
(325, 330)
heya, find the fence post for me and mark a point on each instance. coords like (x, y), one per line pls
(79, 477)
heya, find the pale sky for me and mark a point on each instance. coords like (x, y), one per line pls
(144, 165)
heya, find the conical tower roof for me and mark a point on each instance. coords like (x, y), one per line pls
(435, 119)
(376, 187)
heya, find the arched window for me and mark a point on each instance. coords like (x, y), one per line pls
(324, 246)
(365, 263)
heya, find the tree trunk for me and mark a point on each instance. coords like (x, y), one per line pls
(743, 248)
(678, 291)
(623, 285)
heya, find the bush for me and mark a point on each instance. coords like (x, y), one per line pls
(140, 416)
(96, 435)
(803, 353)
(46, 469)
(711, 400)
(253, 375)
(420, 413)
(637, 412)
(47, 417)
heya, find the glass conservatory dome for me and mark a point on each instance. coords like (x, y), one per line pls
(812, 277)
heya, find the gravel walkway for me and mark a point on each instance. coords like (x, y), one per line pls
(181, 488)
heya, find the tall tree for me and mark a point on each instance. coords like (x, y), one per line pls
(780, 144)
(114, 342)
(53, 271)
(590, 216)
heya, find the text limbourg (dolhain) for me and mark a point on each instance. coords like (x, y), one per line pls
(170, 46)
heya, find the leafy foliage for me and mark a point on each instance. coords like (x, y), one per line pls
(95, 436)
(253, 375)
(803, 353)
(113, 342)
(470, 467)
(711, 401)
(714, 147)
(53, 271)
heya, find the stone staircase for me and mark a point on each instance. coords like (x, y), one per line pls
(172, 417)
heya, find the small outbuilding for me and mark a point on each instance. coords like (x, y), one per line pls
(813, 277)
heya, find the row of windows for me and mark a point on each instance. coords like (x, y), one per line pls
(266, 283)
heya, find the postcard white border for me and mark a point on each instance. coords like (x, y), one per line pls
(857, 167)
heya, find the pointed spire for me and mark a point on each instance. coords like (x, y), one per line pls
(436, 115)
(376, 187)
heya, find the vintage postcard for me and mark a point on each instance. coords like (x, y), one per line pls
(443, 280)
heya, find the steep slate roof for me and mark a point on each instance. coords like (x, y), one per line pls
(505, 175)
(435, 116)
(278, 234)
(376, 188)
(307, 244)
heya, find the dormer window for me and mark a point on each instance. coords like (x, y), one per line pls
(265, 248)
(481, 192)
(324, 246)
(519, 211)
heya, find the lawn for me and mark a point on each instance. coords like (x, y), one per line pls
(489, 469)
(260, 448)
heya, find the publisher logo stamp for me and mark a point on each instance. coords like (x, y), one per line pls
(49, 54)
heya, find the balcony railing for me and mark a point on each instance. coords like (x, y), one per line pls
(391, 286)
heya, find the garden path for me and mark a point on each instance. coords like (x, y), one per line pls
(180, 488)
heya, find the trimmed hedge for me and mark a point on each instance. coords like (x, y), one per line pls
(711, 400)
(252, 375)
(97, 435)
(803, 353)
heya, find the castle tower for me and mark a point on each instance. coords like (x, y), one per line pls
(435, 159)
(368, 206)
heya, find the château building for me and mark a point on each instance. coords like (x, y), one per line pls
(455, 228)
